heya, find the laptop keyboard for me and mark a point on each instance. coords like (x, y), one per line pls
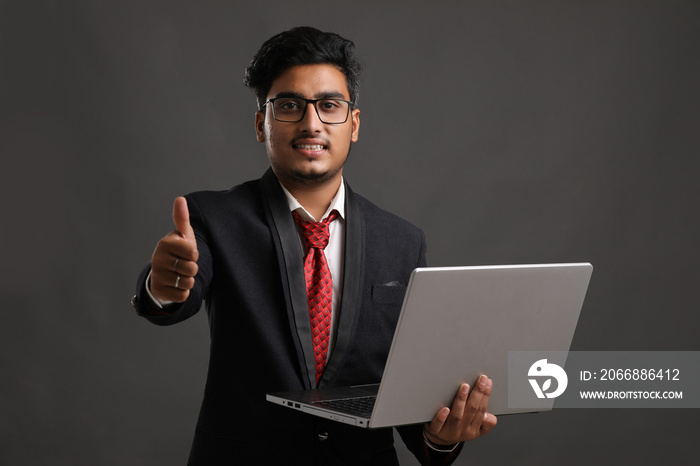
(360, 406)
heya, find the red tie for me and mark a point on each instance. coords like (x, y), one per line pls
(319, 285)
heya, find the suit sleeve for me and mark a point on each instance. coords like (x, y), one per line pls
(177, 312)
(412, 436)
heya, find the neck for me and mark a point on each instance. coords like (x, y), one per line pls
(314, 198)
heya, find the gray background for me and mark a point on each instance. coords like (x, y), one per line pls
(512, 132)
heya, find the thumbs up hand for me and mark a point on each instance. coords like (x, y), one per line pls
(174, 261)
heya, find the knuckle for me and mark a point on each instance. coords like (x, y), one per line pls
(167, 240)
(190, 253)
(190, 269)
(163, 251)
(456, 416)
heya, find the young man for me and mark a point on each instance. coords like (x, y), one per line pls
(300, 276)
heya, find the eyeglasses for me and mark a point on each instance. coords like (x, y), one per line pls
(293, 109)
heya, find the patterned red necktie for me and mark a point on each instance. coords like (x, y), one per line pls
(319, 285)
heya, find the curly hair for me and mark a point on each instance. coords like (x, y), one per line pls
(301, 46)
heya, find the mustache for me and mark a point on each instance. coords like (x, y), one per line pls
(324, 141)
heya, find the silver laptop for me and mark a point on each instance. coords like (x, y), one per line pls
(456, 324)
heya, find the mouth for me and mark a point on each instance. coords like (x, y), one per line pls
(311, 147)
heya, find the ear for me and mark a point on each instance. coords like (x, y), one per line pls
(260, 126)
(355, 118)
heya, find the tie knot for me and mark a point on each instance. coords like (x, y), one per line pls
(315, 233)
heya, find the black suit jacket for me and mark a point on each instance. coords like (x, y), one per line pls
(251, 278)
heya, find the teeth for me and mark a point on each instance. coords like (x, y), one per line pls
(309, 146)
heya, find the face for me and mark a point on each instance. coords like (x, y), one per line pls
(308, 152)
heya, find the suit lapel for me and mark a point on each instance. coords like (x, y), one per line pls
(292, 267)
(352, 278)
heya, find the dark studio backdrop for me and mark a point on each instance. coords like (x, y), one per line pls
(510, 131)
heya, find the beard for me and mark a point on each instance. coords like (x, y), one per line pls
(313, 177)
(310, 176)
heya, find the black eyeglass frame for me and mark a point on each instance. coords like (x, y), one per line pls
(314, 102)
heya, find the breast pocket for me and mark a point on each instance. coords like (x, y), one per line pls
(389, 294)
(377, 326)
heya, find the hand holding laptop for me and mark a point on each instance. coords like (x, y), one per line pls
(468, 418)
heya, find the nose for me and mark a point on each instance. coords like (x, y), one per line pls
(311, 122)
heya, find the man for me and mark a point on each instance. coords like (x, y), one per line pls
(276, 323)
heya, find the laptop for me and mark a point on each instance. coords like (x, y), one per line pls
(456, 324)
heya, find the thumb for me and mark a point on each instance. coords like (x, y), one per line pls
(181, 218)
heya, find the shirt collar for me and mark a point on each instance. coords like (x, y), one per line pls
(338, 204)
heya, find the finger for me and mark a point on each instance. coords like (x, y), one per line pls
(488, 423)
(459, 403)
(171, 294)
(454, 415)
(163, 280)
(170, 286)
(181, 218)
(438, 421)
(185, 267)
(166, 263)
(173, 247)
(479, 400)
(178, 282)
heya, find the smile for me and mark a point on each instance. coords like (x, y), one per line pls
(309, 146)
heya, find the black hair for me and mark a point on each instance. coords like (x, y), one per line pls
(301, 46)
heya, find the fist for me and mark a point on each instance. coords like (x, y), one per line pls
(174, 261)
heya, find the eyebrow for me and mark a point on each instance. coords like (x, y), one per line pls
(320, 95)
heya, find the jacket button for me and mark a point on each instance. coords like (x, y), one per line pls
(323, 436)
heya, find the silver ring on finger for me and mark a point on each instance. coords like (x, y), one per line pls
(175, 264)
(177, 282)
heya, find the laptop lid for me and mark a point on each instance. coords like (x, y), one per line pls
(457, 323)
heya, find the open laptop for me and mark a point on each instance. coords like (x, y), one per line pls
(456, 324)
